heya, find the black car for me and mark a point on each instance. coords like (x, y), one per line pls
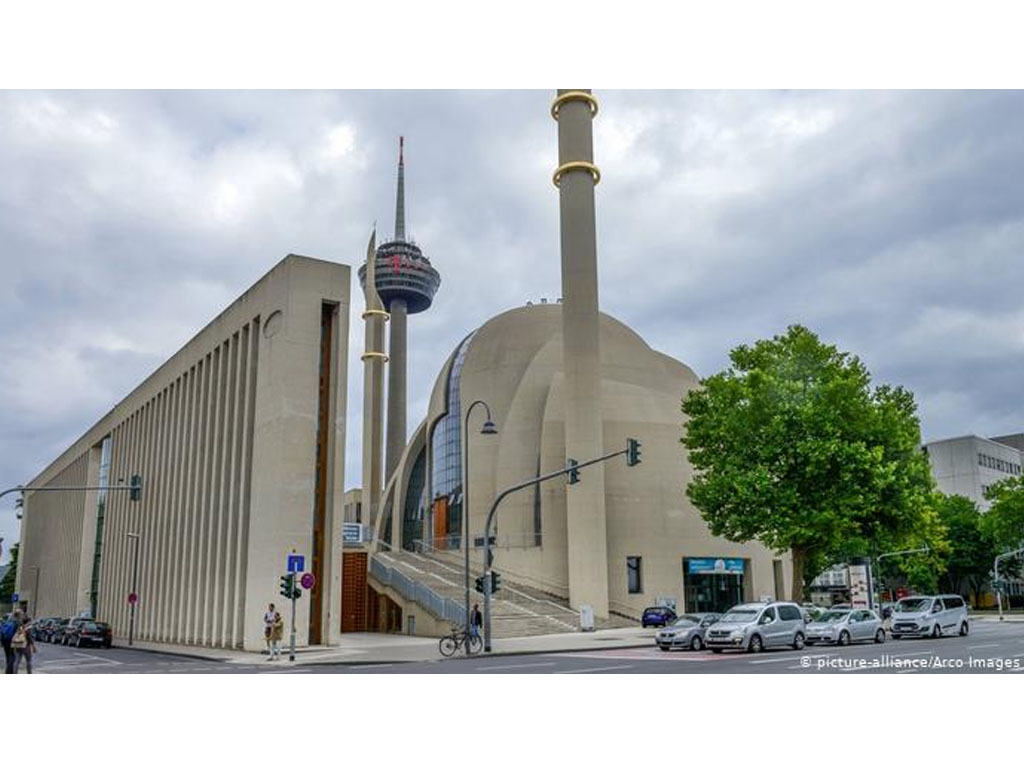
(39, 629)
(55, 630)
(657, 616)
(89, 633)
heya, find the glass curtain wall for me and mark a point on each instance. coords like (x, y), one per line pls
(446, 451)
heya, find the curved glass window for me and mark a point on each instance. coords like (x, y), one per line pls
(415, 502)
(446, 445)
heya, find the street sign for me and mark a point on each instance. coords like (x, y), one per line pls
(14, 597)
(307, 581)
(354, 533)
(296, 563)
(133, 598)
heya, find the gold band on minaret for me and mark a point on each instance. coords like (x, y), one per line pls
(574, 96)
(577, 165)
(370, 312)
(369, 355)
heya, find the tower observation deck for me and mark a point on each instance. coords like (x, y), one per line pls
(403, 272)
(406, 283)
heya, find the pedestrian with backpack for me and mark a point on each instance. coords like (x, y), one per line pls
(7, 630)
(23, 645)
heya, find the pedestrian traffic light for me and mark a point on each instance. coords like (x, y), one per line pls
(288, 586)
(135, 489)
(632, 452)
(574, 474)
(495, 581)
(480, 584)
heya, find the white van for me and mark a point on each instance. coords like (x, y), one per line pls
(927, 616)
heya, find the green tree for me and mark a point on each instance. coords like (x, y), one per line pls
(1004, 522)
(971, 547)
(7, 585)
(1005, 519)
(793, 447)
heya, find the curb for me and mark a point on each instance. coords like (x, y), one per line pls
(481, 655)
(180, 654)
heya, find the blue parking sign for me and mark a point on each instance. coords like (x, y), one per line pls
(296, 563)
(15, 597)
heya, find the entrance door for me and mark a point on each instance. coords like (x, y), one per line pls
(713, 592)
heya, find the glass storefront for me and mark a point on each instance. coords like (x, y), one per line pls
(713, 585)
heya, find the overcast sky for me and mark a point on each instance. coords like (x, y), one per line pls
(891, 223)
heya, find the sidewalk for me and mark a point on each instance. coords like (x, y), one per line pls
(365, 648)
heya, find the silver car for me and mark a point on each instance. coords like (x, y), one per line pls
(926, 616)
(755, 626)
(845, 627)
(686, 632)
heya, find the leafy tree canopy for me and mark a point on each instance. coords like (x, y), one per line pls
(793, 447)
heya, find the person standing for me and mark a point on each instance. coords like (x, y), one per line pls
(23, 645)
(7, 630)
(476, 620)
(276, 636)
(268, 625)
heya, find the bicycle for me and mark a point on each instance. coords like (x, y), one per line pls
(460, 638)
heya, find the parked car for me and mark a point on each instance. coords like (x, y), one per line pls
(89, 632)
(68, 629)
(40, 627)
(686, 632)
(926, 616)
(756, 626)
(55, 630)
(810, 612)
(845, 627)
(657, 616)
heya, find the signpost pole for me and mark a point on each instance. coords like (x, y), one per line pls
(133, 597)
(291, 649)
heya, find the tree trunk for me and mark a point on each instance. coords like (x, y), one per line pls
(799, 562)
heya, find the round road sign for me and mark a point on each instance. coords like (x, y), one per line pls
(308, 580)
(133, 598)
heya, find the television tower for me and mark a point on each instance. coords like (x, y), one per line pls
(406, 284)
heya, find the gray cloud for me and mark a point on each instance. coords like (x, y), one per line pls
(889, 222)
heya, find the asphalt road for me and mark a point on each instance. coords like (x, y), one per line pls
(990, 648)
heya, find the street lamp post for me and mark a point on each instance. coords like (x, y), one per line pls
(133, 597)
(487, 429)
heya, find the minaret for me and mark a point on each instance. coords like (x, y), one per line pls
(373, 390)
(406, 283)
(576, 177)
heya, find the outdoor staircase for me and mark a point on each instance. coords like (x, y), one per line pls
(516, 610)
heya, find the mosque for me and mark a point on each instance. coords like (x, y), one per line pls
(239, 439)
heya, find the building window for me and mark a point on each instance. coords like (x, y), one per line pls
(633, 575)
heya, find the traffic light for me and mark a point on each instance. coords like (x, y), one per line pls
(480, 584)
(288, 586)
(495, 581)
(574, 474)
(135, 489)
(632, 452)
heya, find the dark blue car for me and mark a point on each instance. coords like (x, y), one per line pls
(658, 616)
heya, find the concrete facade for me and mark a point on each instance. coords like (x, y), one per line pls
(969, 465)
(515, 363)
(239, 438)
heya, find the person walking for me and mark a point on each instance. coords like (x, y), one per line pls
(23, 645)
(7, 630)
(268, 625)
(476, 620)
(276, 636)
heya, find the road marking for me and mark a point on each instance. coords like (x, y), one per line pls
(986, 645)
(518, 666)
(790, 658)
(915, 653)
(372, 666)
(595, 669)
(904, 671)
